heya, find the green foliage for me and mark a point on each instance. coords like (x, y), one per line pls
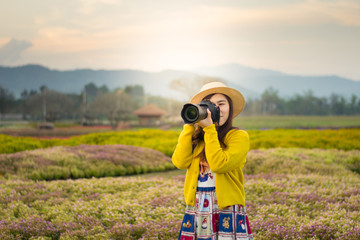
(7, 100)
(306, 104)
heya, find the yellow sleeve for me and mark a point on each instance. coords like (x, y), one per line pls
(234, 156)
(182, 156)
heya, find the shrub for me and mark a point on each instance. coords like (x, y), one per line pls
(82, 161)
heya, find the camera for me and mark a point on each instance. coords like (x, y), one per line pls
(193, 113)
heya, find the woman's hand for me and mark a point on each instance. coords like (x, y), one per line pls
(207, 121)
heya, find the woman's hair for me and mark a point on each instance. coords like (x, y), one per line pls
(222, 130)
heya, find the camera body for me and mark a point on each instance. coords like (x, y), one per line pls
(193, 113)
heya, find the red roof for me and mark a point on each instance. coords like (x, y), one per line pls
(149, 110)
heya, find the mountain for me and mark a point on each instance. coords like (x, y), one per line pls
(250, 81)
(260, 79)
(16, 79)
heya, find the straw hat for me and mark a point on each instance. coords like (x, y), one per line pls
(219, 87)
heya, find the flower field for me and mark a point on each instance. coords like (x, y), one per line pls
(165, 141)
(82, 161)
(106, 208)
(300, 184)
(291, 193)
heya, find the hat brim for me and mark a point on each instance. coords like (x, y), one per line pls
(236, 97)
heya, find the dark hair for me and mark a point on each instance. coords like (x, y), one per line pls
(221, 130)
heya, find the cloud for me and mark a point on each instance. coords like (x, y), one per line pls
(89, 6)
(342, 12)
(11, 52)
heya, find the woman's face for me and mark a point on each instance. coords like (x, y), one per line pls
(221, 101)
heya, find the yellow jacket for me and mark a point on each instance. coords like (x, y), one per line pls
(226, 163)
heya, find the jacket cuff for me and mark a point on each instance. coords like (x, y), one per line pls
(189, 128)
(210, 128)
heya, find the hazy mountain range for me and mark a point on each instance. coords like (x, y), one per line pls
(250, 81)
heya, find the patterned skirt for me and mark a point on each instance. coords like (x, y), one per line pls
(205, 220)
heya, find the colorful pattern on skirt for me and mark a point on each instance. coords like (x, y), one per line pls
(205, 220)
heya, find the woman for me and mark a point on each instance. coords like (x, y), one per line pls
(214, 155)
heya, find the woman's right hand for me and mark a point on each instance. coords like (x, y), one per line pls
(207, 121)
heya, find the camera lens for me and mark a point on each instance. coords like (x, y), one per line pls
(191, 114)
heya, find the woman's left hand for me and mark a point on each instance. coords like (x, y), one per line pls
(207, 121)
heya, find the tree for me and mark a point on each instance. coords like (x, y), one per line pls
(170, 106)
(73, 111)
(135, 91)
(352, 106)
(307, 104)
(252, 106)
(43, 90)
(56, 105)
(337, 104)
(87, 97)
(102, 90)
(271, 102)
(6, 101)
(189, 86)
(91, 92)
(115, 106)
(24, 96)
(137, 94)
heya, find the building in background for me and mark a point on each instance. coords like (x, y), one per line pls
(149, 115)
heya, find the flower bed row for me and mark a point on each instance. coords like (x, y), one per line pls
(83, 161)
(312, 201)
(106, 208)
(165, 141)
(302, 161)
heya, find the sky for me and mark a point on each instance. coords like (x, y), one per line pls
(304, 37)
